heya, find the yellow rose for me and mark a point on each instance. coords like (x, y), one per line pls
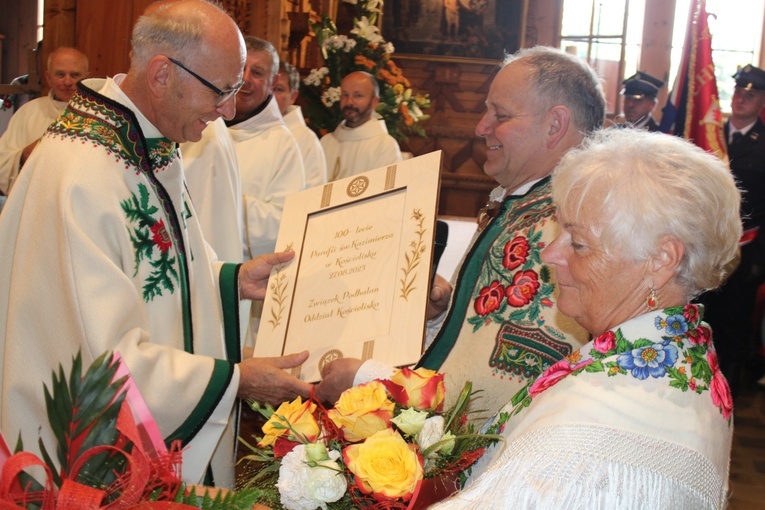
(362, 411)
(421, 388)
(299, 416)
(385, 466)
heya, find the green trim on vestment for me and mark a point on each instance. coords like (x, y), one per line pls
(229, 297)
(442, 345)
(216, 388)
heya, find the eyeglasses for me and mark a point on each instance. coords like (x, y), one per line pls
(223, 95)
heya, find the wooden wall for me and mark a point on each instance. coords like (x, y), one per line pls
(457, 87)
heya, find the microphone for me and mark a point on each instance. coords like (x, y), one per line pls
(442, 234)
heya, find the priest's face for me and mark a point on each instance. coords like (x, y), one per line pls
(66, 67)
(357, 99)
(285, 96)
(258, 80)
(193, 104)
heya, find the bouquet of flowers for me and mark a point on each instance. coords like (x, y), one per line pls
(105, 458)
(386, 444)
(364, 49)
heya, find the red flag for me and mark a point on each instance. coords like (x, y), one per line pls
(693, 108)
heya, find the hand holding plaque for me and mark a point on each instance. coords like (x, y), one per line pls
(359, 283)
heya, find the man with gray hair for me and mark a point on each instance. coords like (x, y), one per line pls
(102, 250)
(66, 66)
(361, 142)
(270, 163)
(502, 328)
(286, 90)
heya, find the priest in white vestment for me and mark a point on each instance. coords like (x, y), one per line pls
(66, 66)
(102, 250)
(270, 164)
(361, 142)
(286, 88)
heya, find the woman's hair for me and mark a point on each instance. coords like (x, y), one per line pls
(558, 78)
(650, 185)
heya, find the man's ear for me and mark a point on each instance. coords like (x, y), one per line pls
(158, 75)
(559, 118)
(662, 266)
(375, 102)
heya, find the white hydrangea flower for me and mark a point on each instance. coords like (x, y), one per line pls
(330, 96)
(302, 487)
(316, 76)
(388, 48)
(349, 44)
(367, 30)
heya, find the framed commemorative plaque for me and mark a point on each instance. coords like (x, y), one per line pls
(359, 283)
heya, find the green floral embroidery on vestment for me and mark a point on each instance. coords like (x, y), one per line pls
(152, 243)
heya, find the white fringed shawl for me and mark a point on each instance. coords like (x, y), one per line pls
(604, 440)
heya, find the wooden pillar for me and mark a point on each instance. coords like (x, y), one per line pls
(656, 47)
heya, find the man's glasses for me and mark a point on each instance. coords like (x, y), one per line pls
(223, 95)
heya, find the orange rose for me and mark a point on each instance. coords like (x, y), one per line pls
(362, 411)
(421, 388)
(385, 466)
(295, 419)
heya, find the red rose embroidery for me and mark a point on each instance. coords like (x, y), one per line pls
(605, 342)
(702, 335)
(489, 299)
(718, 387)
(160, 236)
(524, 288)
(553, 374)
(516, 253)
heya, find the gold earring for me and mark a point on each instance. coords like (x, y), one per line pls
(651, 301)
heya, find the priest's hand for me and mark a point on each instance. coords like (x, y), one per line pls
(440, 294)
(253, 275)
(336, 377)
(265, 379)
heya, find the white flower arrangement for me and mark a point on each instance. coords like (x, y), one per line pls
(310, 477)
(330, 96)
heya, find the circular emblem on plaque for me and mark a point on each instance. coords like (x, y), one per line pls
(329, 356)
(357, 186)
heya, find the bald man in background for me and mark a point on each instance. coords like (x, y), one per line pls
(361, 142)
(66, 66)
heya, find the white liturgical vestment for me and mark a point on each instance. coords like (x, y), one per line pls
(212, 175)
(102, 251)
(314, 163)
(270, 167)
(26, 125)
(351, 151)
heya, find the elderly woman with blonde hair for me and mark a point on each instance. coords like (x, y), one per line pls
(641, 416)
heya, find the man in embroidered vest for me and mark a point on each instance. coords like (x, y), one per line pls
(66, 66)
(729, 308)
(361, 142)
(286, 89)
(503, 328)
(102, 250)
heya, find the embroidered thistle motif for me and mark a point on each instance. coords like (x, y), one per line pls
(684, 357)
(151, 242)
